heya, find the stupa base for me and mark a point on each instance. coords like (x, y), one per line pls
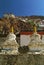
(36, 47)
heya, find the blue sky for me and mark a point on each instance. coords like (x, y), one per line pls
(22, 7)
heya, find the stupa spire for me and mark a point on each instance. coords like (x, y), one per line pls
(35, 28)
(12, 30)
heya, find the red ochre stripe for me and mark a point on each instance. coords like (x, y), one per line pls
(29, 33)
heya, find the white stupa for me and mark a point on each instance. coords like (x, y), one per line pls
(35, 38)
(11, 43)
(35, 41)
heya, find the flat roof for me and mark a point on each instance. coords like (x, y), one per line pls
(29, 33)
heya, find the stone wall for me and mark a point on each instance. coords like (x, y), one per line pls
(22, 59)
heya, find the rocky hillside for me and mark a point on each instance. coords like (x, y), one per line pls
(19, 24)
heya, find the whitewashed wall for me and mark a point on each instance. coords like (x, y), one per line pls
(24, 40)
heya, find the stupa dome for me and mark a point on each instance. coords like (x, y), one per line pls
(35, 38)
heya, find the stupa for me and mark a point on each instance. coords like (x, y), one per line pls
(10, 45)
(35, 43)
